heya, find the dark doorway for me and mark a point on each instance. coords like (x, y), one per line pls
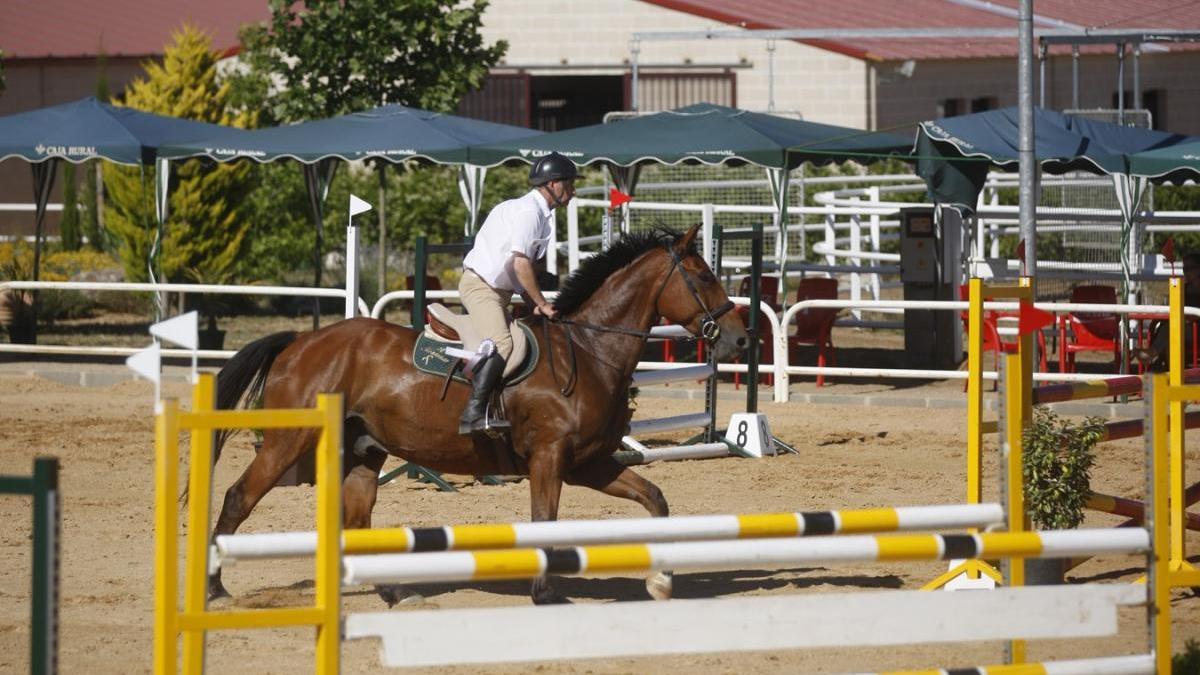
(569, 101)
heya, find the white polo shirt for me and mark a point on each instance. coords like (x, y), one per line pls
(520, 225)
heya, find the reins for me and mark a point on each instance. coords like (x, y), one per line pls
(709, 329)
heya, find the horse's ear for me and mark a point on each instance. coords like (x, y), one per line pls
(685, 242)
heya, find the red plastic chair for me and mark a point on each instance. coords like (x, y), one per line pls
(768, 292)
(991, 334)
(1089, 331)
(814, 326)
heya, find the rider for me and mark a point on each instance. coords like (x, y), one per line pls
(514, 236)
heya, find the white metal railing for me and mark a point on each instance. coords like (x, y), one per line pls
(781, 369)
(134, 287)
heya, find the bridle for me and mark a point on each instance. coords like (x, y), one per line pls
(710, 330)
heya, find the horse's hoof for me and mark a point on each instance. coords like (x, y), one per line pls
(549, 597)
(216, 590)
(659, 586)
(395, 594)
(544, 594)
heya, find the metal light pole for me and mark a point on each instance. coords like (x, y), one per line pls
(1028, 164)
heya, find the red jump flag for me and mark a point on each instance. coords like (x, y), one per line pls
(1168, 250)
(617, 198)
(1033, 319)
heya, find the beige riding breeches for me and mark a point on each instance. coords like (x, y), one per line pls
(488, 309)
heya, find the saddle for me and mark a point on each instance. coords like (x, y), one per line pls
(447, 328)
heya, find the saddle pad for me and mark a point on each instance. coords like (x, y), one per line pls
(429, 356)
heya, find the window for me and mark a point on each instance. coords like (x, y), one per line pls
(983, 103)
(950, 107)
(1154, 102)
(557, 102)
(665, 91)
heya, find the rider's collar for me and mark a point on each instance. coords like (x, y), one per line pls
(542, 204)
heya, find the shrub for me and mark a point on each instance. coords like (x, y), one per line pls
(1187, 662)
(1056, 467)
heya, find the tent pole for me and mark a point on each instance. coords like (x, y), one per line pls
(1075, 77)
(1120, 83)
(382, 260)
(162, 186)
(43, 180)
(635, 46)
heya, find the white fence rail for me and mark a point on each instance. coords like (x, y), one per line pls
(781, 369)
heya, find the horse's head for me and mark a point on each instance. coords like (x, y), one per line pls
(693, 297)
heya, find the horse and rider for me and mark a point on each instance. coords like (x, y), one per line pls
(564, 419)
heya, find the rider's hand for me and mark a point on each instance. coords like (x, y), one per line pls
(547, 310)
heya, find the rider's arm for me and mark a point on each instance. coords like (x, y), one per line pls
(523, 267)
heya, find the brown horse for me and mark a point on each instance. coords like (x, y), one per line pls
(560, 433)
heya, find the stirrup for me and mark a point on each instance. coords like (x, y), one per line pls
(491, 427)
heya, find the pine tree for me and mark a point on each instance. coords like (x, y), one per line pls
(68, 227)
(205, 226)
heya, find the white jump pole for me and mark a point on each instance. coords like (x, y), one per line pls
(357, 206)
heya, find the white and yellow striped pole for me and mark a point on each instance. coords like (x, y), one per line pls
(578, 560)
(636, 530)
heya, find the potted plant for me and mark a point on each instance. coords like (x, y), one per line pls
(1056, 468)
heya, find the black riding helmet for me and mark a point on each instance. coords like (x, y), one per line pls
(551, 167)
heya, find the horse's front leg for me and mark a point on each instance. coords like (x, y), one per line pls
(612, 478)
(546, 469)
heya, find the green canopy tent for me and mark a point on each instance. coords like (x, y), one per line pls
(954, 155)
(1175, 164)
(88, 129)
(703, 133)
(390, 133)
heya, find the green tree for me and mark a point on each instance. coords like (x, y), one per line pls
(332, 58)
(68, 228)
(206, 226)
(321, 58)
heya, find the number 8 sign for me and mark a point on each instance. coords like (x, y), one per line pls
(750, 432)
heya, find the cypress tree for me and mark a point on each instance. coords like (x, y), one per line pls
(205, 227)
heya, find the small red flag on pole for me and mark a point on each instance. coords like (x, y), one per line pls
(617, 198)
(1168, 252)
(1032, 319)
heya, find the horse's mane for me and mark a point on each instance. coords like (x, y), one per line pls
(592, 273)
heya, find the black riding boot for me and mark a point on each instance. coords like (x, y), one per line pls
(487, 378)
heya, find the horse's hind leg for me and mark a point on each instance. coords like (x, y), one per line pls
(612, 478)
(281, 448)
(363, 460)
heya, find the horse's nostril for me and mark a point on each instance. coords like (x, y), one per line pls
(742, 342)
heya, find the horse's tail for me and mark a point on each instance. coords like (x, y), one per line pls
(244, 376)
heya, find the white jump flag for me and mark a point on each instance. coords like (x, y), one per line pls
(182, 330)
(358, 206)
(148, 364)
